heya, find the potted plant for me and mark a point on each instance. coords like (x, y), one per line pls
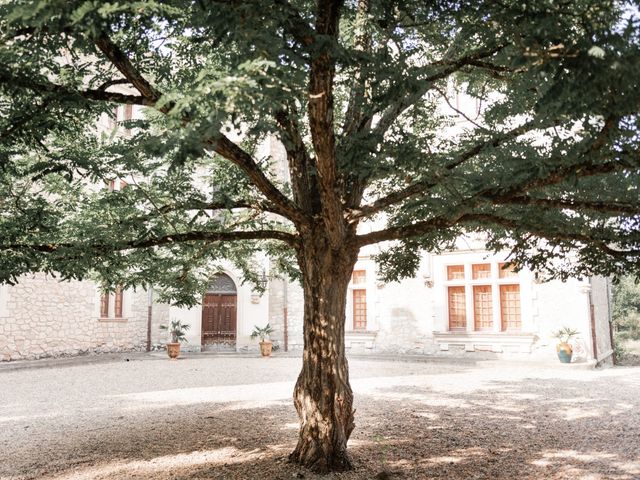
(265, 343)
(564, 348)
(178, 333)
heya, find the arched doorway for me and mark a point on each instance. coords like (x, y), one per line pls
(219, 314)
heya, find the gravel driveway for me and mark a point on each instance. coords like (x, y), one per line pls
(230, 417)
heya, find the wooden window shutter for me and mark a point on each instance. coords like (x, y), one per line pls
(457, 308)
(510, 307)
(104, 305)
(118, 303)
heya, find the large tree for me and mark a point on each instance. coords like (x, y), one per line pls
(354, 90)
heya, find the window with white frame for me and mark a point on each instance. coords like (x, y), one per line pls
(483, 297)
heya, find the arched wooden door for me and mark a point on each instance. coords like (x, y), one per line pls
(219, 314)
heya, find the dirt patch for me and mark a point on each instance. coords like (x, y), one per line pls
(232, 418)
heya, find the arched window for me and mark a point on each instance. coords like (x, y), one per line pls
(221, 283)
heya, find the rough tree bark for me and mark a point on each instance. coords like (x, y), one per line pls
(322, 395)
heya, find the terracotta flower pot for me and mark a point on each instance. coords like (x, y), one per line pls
(265, 348)
(565, 351)
(173, 350)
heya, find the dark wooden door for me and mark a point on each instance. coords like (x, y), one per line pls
(219, 322)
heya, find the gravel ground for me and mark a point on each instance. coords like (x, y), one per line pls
(224, 417)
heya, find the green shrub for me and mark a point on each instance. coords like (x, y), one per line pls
(626, 309)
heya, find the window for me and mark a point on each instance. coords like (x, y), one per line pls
(118, 302)
(117, 185)
(360, 309)
(121, 113)
(482, 307)
(359, 295)
(455, 272)
(104, 305)
(457, 308)
(111, 303)
(510, 307)
(483, 297)
(481, 270)
(359, 277)
(506, 272)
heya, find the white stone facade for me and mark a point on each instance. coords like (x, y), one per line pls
(43, 317)
(252, 309)
(411, 316)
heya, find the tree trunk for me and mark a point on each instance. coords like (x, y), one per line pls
(323, 396)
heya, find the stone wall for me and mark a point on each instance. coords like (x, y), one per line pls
(43, 317)
(404, 317)
(160, 315)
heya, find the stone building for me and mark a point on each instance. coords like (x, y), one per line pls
(459, 302)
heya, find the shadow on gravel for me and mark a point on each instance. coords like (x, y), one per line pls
(526, 429)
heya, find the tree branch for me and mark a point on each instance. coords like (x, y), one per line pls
(111, 83)
(597, 206)
(421, 187)
(296, 25)
(586, 239)
(406, 231)
(401, 232)
(420, 228)
(120, 60)
(256, 206)
(353, 115)
(288, 238)
(221, 144)
(585, 168)
(247, 164)
(94, 95)
(402, 104)
(302, 182)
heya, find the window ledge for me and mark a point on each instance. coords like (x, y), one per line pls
(358, 340)
(112, 320)
(360, 333)
(486, 341)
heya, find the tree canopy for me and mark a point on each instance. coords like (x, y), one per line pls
(553, 153)
(546, 167)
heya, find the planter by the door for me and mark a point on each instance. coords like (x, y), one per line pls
(265, 348)
(565, 351)
(173, 350)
